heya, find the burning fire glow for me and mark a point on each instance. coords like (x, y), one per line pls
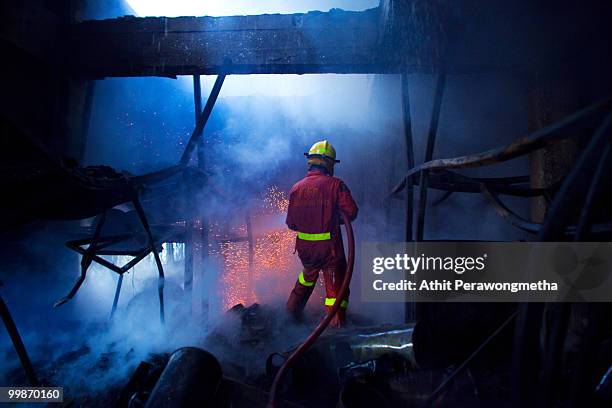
(269, 266)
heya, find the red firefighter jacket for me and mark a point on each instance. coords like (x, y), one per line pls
(315, 203)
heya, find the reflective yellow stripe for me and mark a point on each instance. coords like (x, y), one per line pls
(331, 301)
(304, 281)
(323, 236)
(321, 151)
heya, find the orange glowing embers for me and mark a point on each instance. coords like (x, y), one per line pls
(274, 266)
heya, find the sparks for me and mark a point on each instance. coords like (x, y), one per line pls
(271, 270)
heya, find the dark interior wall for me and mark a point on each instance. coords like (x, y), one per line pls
(32, 91)
(552, 95)
(559, 48)
(44, 102)
(38, 95)
(558, 51)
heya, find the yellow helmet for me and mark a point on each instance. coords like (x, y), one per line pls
(322, 149)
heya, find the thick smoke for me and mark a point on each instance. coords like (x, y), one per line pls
(254, 140)
(78, 347)
(139, 125)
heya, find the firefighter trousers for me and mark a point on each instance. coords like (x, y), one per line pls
(333, 276)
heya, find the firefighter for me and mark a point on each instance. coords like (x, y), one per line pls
(315, 203)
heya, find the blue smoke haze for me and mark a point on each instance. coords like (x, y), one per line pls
(255, 138)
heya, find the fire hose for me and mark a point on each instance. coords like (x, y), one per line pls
(278, 379)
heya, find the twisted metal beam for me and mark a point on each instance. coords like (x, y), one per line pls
(507, 214)
(533, 227)
(454, 182)
(575, 125)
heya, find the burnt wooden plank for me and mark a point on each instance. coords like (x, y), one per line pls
(316, 42)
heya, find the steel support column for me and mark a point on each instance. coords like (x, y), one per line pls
(189, 223)
(409, 152)
(431, 141)
(196, 140)
(201, 235)
(409, 305)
